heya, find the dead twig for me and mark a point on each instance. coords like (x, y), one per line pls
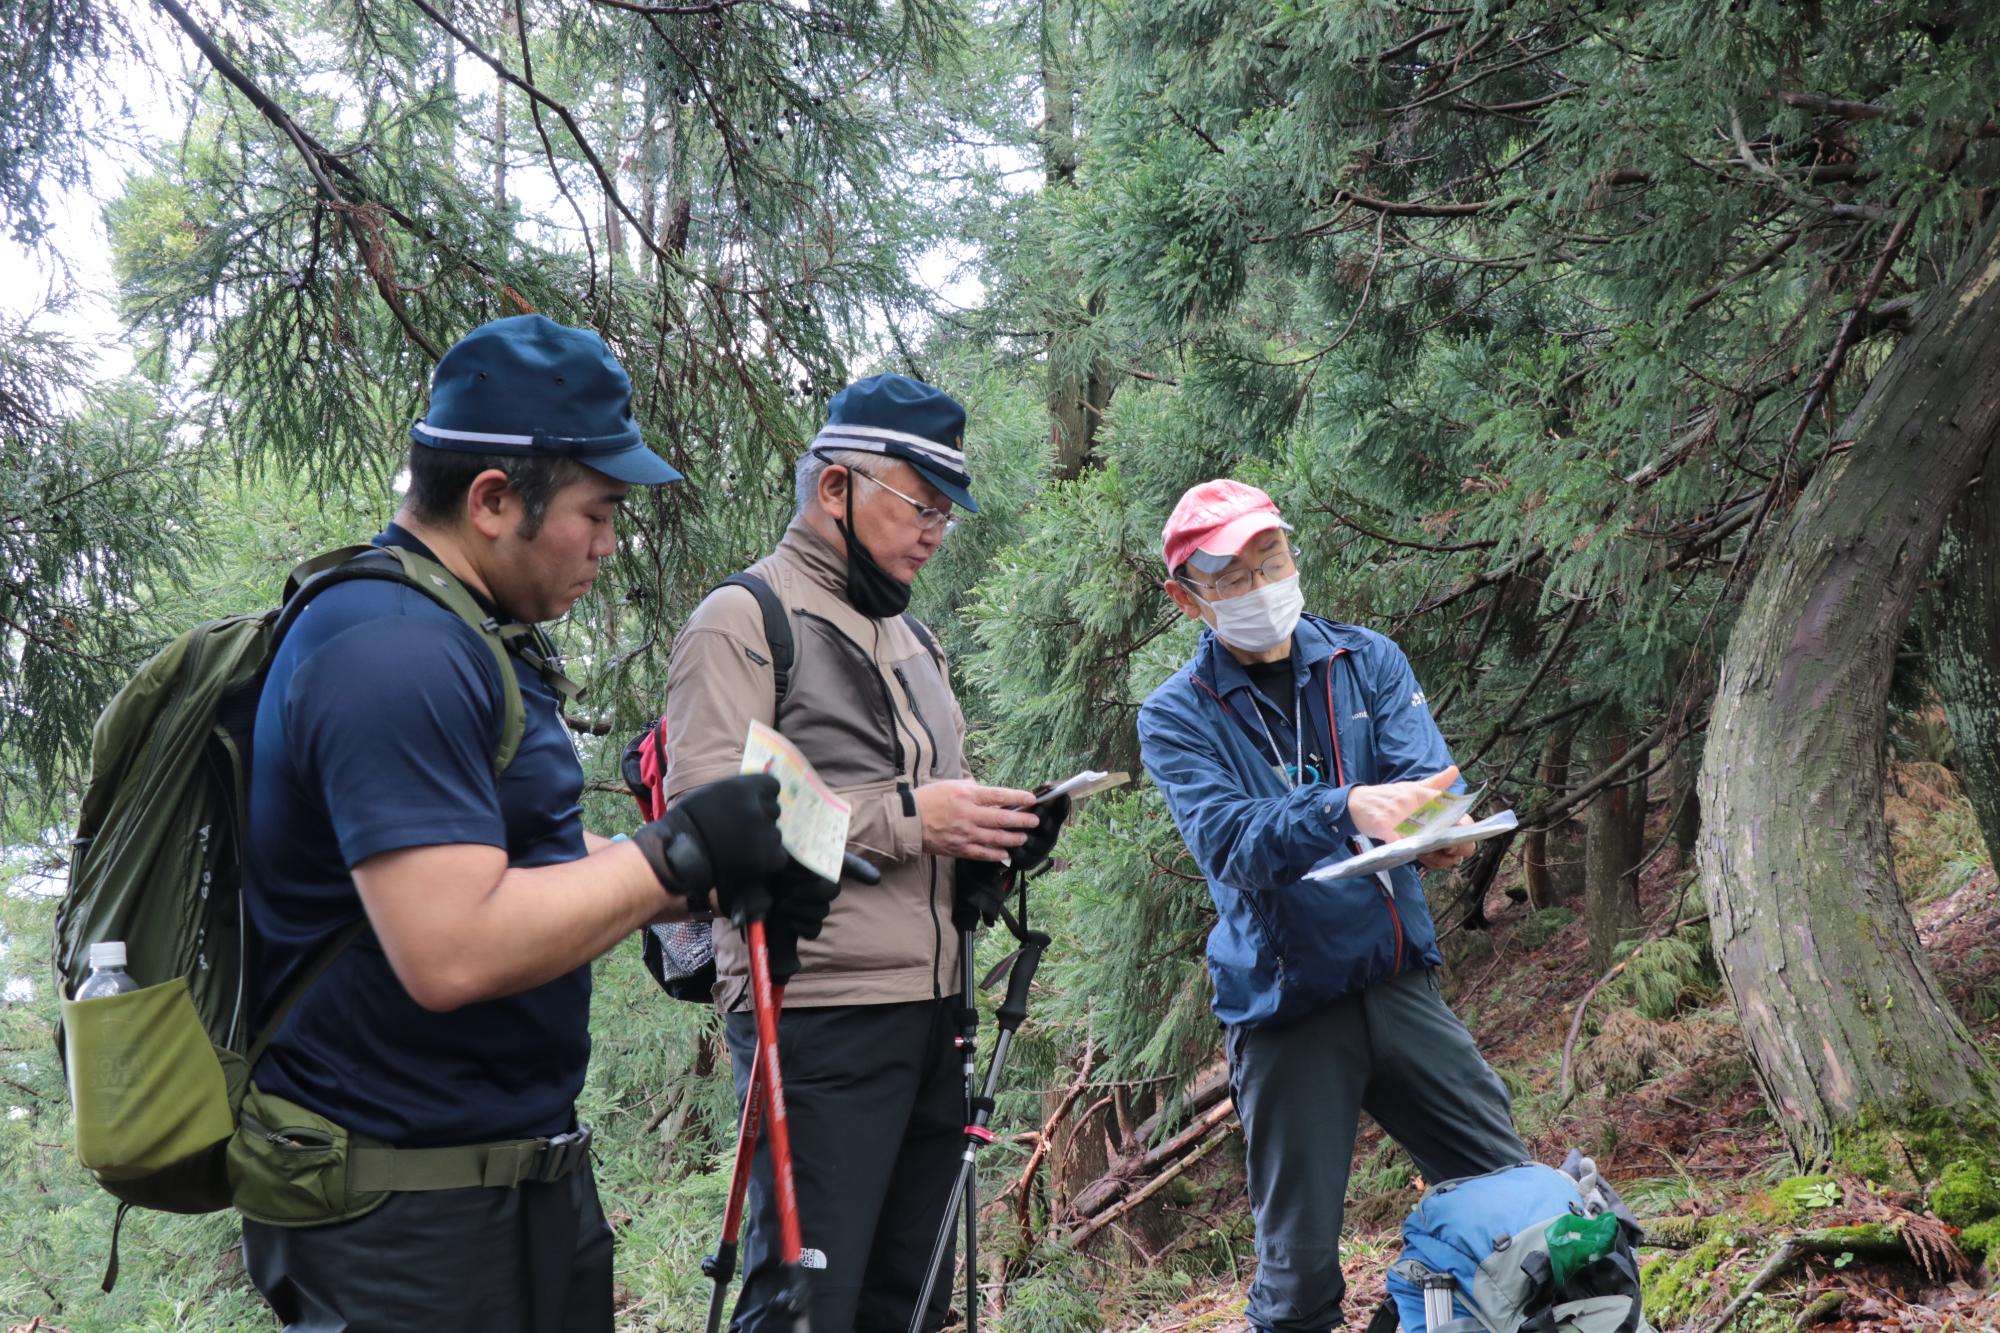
(1083, 1233)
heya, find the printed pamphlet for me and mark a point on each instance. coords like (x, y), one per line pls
(812, 821)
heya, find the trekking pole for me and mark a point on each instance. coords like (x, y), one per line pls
(1013, 1011)
(720, 1266)
(1439, 1288)
(764, 1099)
(792, 1300)
(969, 1040)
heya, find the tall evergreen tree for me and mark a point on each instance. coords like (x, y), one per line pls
(1542, 315)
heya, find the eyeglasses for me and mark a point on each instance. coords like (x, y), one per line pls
(1237, 581)
(939, 521)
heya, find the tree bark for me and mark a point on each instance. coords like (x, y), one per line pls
(1078, 394)
(1965, 642)
(1686, 809)
(1614, 840)
(510, 29)
(1542, 849)
(1847, 1027)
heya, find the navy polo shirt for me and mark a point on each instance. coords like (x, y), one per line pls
(375, 732)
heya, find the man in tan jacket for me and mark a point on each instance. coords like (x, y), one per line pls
(872, 1082)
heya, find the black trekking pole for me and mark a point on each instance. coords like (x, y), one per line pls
(1013, 1011)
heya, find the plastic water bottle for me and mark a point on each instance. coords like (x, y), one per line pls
(107, 972)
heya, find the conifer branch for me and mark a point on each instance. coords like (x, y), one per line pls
(321, 165)
(549, 153)
(676, 11)
(669, 261)
(1849, 110)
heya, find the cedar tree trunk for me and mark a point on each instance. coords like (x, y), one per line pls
(1614, 840)
(1847, 1027)
(1965, 642)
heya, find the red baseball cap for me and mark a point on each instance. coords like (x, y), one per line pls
(1217, 517)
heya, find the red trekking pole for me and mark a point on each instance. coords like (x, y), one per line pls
(765, 1100)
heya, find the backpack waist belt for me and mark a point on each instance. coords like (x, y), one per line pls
(501, 1165)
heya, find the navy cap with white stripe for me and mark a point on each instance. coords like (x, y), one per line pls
(902, 418)
(527, 385)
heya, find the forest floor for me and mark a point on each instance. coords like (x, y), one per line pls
(1670, 1109)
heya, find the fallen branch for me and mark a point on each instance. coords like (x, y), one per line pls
(1114, 1184)
(1096, 1224)
(1869, 1241)
(1787, 1254)
(1024, 1182)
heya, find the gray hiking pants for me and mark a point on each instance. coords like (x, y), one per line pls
(1395, 1051)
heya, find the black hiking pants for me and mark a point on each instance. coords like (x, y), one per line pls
(875, 1096)
(532, 1259)
(1395, 1051)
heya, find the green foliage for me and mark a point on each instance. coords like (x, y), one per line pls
(1541, 927)
(1675, 1285)
(1796, 1196)
(1664, 975)
(1057, 1298)
(1982, 1241)
(98, 516)
(52, 55)
(1966, 1192)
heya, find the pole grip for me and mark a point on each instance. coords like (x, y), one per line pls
(1014, 1009)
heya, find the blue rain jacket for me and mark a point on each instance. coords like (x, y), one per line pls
(1284, 946)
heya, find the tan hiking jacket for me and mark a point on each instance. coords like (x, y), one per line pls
(872, 710)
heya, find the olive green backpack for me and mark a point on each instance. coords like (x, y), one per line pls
(157, 1075)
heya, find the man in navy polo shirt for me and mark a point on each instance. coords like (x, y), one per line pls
(453, 1029)
(1279, 743)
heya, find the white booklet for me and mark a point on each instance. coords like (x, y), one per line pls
(1433, 825)
(1087, 783)
(812, 821)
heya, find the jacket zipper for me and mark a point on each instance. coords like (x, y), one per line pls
(937, 927)
(918, 714)
(1395, 920)
(1271, 935)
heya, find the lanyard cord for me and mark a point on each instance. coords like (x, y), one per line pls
(1298, 732)
(1299, 729)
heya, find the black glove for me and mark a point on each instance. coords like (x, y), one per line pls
(1042, 837)
(976, 890)
(720, 837)
(799, 901)
(794, 904)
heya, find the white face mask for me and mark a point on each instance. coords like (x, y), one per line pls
(1261, 620)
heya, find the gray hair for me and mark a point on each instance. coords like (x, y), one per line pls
(814, 462)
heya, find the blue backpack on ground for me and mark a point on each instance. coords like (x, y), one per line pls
(1527, 1249)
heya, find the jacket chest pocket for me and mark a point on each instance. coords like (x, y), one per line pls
(932, 714)
(1353, 725)
(839, 711)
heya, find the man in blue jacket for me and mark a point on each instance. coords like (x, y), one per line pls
(1284, 739)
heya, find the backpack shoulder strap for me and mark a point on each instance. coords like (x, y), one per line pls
(777, 627)
(406, 567)
(924, 636)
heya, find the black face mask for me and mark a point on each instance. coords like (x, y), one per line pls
(871, 589)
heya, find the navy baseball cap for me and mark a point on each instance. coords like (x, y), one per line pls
(899, 417)
(528, 385)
